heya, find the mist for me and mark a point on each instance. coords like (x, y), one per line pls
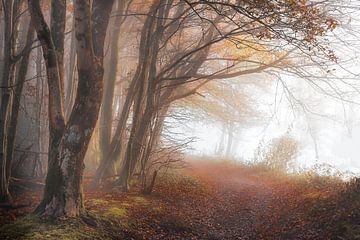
(179, 119)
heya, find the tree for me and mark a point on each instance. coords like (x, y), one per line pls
(10, 86)
(246, 25)
(106, 116)
(63, 190)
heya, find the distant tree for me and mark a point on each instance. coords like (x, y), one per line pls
(17, 49)
(106, 113)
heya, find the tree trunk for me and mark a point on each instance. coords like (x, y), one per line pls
(116, 146)
(63, 191)
(55, 107)
(116, 143)
(153, 143)
(229, 143)
(106, 114)
(70, 78)
(19, 84)
(38, 169)
(1, 39)
(145, 96)
(57, 29)
(158, 106)
(6, 82)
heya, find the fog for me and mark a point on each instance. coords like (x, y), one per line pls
(326, 124)
(328, 130)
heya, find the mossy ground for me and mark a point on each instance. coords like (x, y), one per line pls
(109, 215)
(32, 227)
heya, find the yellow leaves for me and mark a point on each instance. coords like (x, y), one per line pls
(242, 49)
(221, 100)
(293, 2)
(227, 100)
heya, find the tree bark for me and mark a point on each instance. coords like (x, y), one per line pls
(1, 39)
(55, 107)
(57, 29)
(63, 191)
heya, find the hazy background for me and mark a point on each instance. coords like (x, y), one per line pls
(327, 128)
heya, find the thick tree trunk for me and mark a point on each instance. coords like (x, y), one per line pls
(63, 192)
(55, 107)
(56, 117)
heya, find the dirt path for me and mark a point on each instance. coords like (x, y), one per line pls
(241, 204)
(246, 206)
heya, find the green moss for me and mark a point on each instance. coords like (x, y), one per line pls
(31, 227)
(118, 212)
(140, 200)
(18, 229)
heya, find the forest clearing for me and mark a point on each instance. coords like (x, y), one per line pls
(207, 200)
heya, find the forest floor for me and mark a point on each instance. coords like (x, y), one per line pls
(207, 200)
